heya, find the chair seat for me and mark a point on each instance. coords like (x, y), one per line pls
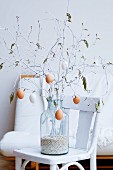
(34, 154)
(16, 140)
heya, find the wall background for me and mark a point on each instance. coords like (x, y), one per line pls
(96, 15)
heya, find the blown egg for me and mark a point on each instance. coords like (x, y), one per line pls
(32, 98)
(20, 93)
(59, 114)
(76, 99)
(49, 78)
(64, 65)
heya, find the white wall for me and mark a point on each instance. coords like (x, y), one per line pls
(96, 15)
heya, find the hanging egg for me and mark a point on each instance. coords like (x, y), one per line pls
(59, 114)
(64, 65)
(32, 98)
(49, 78)
(76, 99)
(20, 93)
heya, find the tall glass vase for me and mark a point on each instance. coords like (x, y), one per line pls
(54, 130)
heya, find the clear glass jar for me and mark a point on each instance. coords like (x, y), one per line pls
(54, 133)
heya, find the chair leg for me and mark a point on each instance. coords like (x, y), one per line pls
(33, 164)
(53, 167)
(24, 164)
(72, 163)
(93, 163)
(18, 163)
(66, 167)
(37, 166)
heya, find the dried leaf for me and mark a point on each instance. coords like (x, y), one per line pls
(97, 38)
(79, 73)
(11, 97)
(38, 45)
(55, 103)
(56, 89)
(67, 53)
(86, 43)
(28, 61)
(97, 106)
(60, 44)
(109, 63)
(1, 66)
(45, 60)
(16, 63)
(69, 17)
(83, 58)
(12, 45)
(54, 54)
(102, 102)
(84, 82)
(65, 79)
(11, 51)
(85, 29)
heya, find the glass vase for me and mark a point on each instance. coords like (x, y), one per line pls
(54, 132)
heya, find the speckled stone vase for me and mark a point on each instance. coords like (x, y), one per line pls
(54, 132)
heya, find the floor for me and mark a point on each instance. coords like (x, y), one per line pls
(102, 165)
(6, 165)
(10, 165)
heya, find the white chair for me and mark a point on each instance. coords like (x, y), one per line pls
(27, 119)
(84, 147)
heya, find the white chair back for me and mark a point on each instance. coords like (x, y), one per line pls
(27, 115)
(86, 134)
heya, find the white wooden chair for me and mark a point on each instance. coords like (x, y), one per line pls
(84, 145)
(27, 120)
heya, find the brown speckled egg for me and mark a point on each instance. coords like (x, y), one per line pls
(20, 93)
(49, 78)
(59, 114)
(76, 99)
